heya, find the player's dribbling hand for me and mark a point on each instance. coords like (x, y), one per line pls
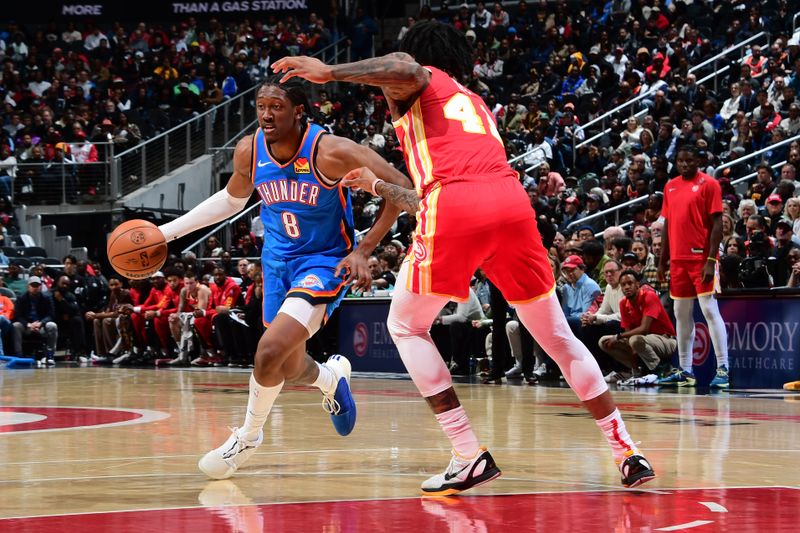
(355, 266)
(308, 68)
(360, 178)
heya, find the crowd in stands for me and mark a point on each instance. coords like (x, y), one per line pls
(68, 92)
(544, 70)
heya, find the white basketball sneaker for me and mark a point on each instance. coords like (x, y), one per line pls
(222, 462)
(462, 473)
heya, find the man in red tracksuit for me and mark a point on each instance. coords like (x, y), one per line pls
(224, 295)
(159, 299)
(160, 316)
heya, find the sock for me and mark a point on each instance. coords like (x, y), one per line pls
(614, 429)
(259, 404)
(456, 426)
(326, 380)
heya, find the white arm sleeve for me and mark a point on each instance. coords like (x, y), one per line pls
(214, 209)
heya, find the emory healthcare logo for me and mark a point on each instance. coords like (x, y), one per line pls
(25, 419)
(702, 344)
(360, 339)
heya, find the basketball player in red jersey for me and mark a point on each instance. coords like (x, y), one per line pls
(471, 212)
(692, 233)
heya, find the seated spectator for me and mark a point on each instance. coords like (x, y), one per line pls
(15, 280)
(6, 321)
(580, 291)
(785, 241)
(381, 279)
(648, 336)
(460, 326)
(69, 317)
(594, 257)
(33, 315)
(105, 325)
(244, 271)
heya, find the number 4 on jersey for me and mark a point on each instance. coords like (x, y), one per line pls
(460, 108)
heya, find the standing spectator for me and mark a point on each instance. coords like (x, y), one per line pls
(785, 242)
(33, 315)
(648, 333)
(692, 233)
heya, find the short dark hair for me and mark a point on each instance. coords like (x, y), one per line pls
(294, 88)
(623, 242)
(631, 272)
(592, 248)
(690, 148)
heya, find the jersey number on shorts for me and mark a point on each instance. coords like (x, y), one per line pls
(290, 224)
(461, 109)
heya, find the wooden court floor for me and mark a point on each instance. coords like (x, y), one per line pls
(106, 449)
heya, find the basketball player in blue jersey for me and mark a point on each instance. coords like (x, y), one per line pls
(309, 255)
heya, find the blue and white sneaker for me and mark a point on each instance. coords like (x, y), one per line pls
(720, 381)
(679, 378)
(340, 405)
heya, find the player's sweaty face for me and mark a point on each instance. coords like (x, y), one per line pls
(276, 114)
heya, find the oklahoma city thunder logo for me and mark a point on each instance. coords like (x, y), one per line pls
(701, 345)
(312, 282)
(420, 252)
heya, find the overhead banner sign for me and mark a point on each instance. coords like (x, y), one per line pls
(108, 11)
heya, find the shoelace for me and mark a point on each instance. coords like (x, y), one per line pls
(240, 443)
(330, 405)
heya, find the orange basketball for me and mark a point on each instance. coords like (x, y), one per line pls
(137, 249)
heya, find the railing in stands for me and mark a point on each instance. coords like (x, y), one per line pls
(755, 154)
(606, 212)
(179, 145)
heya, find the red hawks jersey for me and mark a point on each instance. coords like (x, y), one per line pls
(449, 135)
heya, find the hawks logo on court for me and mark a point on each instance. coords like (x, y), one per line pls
(420, 252)
(301, 166)
(137, 237)
(702, 344)
(18, 419)
(360, 339)
(312, 282)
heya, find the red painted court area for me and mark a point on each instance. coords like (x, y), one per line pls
(768, 509)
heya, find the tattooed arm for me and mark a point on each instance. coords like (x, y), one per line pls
(400, 77)
(405, 199)
(364, 179)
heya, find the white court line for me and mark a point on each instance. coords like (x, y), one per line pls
(394, 498)
(407, 450)
(687, 525)
(714, 507)
(147, 416)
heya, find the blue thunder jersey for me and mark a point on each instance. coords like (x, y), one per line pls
(302, 213)
(308, 227)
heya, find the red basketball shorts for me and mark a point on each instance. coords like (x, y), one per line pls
(463, 226)
(686, 279)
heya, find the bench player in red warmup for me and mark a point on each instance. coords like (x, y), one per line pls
(471, 212)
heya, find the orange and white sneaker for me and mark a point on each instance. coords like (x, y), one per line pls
(461, 474)
(635, 470)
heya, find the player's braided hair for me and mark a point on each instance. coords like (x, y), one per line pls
(439, 45)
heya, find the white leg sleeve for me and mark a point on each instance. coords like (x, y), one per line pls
(716, 327)
(308, 315)
(409, 323)
(546, 322)
(684, 327)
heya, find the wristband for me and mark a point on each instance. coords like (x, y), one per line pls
(137, 309)
(711, 259)
(375, 186)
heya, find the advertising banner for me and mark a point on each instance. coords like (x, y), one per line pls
(364, 338)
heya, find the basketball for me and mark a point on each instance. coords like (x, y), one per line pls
(136, 249)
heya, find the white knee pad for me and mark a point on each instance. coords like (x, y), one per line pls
(308, 314)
